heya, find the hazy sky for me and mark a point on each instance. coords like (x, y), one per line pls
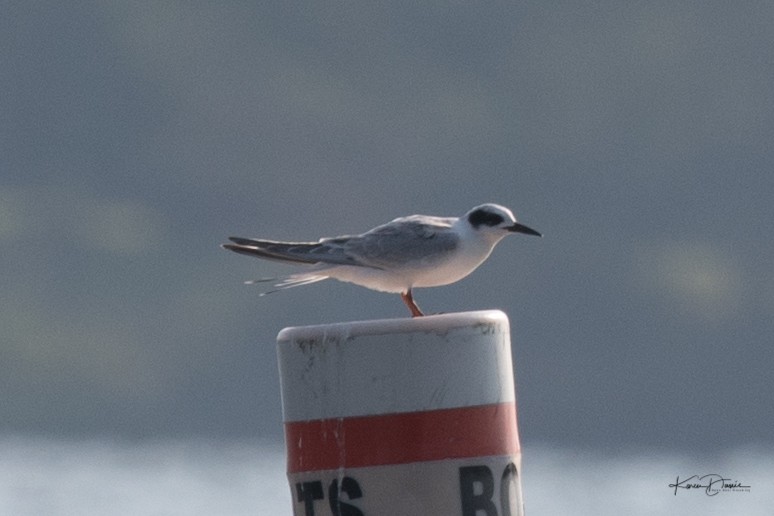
(635, 136)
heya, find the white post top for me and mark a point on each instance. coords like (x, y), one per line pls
(428, 323)
(395, 365)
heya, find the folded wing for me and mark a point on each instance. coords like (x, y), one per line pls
(293, 252)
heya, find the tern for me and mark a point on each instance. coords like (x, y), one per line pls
(409, 252)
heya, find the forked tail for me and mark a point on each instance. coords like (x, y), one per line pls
(286, 282)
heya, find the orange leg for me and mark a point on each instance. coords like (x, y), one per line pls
(412, 306)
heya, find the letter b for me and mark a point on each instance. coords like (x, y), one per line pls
(476, 491)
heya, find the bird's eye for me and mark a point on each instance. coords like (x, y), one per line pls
(487, 218)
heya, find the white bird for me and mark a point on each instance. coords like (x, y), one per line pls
(409, 252)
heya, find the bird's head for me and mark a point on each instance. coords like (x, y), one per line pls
(496, 221)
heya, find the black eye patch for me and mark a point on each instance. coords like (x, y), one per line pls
(487, 218)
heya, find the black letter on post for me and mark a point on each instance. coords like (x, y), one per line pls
(308, 492)
(510, 479)
(473, 478)
(352, 488)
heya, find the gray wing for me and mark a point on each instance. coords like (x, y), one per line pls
(417, 239)
(400, 242)
(294, 252)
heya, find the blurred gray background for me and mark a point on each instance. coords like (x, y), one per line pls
(637, 137)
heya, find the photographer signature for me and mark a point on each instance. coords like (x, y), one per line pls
(712, 484)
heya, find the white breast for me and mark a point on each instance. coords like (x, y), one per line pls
(450, 269)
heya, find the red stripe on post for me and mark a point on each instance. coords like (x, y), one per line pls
(355, 442)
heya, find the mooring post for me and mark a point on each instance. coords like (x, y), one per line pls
(402, 417)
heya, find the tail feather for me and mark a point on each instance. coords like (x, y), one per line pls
(303, 253)
(294, 280)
